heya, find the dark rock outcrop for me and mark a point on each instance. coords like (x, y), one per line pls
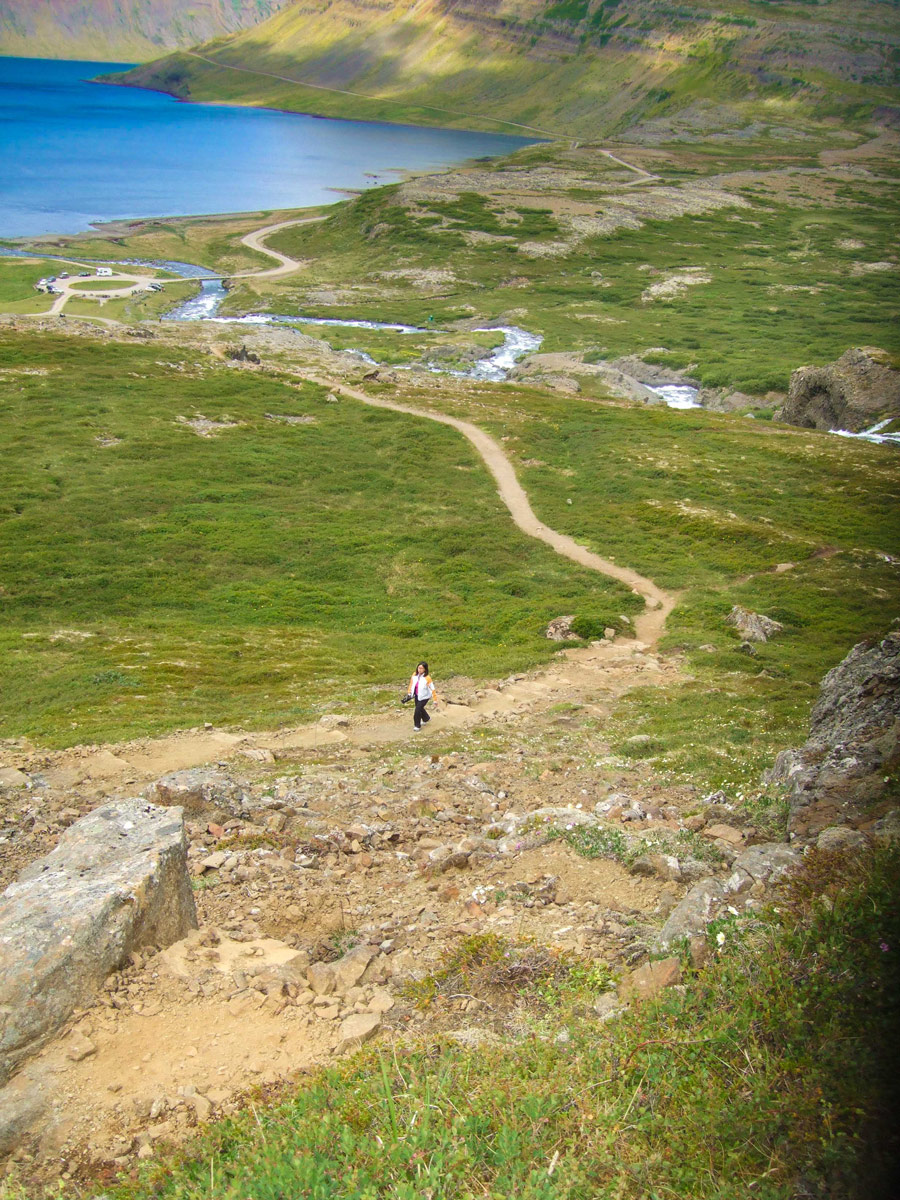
(843, 772)
(854, 393)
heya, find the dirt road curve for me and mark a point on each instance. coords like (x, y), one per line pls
(255, 242)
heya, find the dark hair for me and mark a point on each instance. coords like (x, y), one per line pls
(422, 664)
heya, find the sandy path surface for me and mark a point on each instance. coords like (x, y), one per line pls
(658, 603)
(255, 241)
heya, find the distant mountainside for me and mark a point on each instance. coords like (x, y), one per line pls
(578, 67)
(121, 30)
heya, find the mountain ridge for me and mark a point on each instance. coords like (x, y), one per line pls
(106, 30)
(579, 68)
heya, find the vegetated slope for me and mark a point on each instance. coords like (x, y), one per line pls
(108, 30)
(574, 67)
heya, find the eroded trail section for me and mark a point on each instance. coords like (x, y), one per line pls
(649, 625)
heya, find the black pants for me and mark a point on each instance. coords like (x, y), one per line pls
(420, 716)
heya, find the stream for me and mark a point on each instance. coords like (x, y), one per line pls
(494, 368)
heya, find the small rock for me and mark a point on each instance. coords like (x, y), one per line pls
(356, 1029)
(840, 837)
(651, 978)
(560, 629)
(753, 627)
(382, 1001)
(725, 833)
(334, 721)
(80, 1047)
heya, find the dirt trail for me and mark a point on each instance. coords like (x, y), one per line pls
(255, 241)
(659, 604)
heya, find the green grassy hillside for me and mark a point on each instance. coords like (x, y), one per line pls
(578, 68)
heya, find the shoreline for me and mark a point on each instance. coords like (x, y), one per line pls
(341, 191)
(316, 116)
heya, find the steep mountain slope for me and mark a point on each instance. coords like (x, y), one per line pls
(575, 67)
(104, 30)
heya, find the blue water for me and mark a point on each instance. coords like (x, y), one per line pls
(74, 152)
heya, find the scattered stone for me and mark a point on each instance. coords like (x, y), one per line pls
(753, 627)
(338, 977)
(334, 721)
(382, 1001)
(840, 837)
(662, 866)
(560, 630)
(691, 916)
(724, 833)
(199, 791)
(80, 1048)
(768, 862)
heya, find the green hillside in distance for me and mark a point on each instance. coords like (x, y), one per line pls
(578, 68)
(109, 30)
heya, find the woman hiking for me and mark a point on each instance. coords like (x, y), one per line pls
(421, 689)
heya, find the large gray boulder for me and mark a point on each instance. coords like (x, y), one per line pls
(116, 882)
(853, 393)
(201, 792)
(843, 770)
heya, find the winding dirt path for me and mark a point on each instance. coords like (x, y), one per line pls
(615, 667)
(658, 603)
(255, 240)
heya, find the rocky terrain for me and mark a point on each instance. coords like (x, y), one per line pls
(855, 392)
(332, 883)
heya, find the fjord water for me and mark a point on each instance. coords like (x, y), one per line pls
(75, 152)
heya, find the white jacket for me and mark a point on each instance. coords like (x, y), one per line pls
(421, 686)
